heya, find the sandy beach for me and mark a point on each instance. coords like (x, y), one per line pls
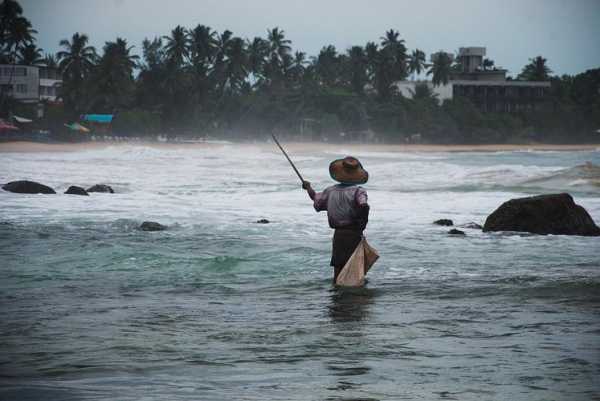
(37, 147)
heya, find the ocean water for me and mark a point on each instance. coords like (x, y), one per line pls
(221, 308)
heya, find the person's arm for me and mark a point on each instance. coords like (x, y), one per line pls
(311, 192)
(319, 198)
(361, 198)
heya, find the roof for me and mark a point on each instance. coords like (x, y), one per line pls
(98, 118)
(542, 84)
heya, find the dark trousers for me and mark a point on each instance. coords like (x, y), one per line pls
(345, 242)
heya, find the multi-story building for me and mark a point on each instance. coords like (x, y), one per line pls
(29, 84)
(488, 89)
(22, 82)
(50, 82)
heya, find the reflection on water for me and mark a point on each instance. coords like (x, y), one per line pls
(350, 304)
(349, 312)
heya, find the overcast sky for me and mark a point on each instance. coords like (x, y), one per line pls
(566, 32)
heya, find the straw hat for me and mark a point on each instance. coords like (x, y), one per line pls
(348, 171)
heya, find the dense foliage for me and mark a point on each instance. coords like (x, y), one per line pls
(199, 82)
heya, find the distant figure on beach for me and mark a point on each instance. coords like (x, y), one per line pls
(346, 206)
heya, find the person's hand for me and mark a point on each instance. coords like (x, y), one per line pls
(306, 185)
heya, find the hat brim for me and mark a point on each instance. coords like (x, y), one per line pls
(346, 176)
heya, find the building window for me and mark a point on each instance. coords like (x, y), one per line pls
(21, 88)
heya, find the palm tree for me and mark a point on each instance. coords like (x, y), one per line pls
(357, 69)
(15, 30)
(258, 50)
(30, 55)
(279, 49)
(328, 65)
(396, 50)
(202, 48)
(51, 61)
(298, 66)
(488, 64)
(114, 76)
(416, 62)
(278, 45)
(536, 70)
(77, 59)
(176, 47)
(76, 62)
(372, 55)
(440, 68)
(236, 64)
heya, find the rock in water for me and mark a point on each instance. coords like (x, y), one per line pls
(262, 221)
(152, 226)
(472, 225)
(75, 190)
(101, 188)
(444, 222)
(544, 214)
(454, 231)
(27, 187)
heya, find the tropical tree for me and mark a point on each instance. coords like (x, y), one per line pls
(357, 69)
(328, 65)
(50, 61)
(416, 62)
(488, 64)
(441, 68)
(258, 50)
(176, 47)
(536, 70)
(396, 53)
(30, 54)
(236, 63)
(76, 62)
(15, 30)
(113, 77)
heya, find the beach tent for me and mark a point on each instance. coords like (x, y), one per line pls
(22, 120)
(4, 126)
(77, 127)
(98, 118)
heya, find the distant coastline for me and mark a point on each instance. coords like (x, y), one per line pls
(37, 147)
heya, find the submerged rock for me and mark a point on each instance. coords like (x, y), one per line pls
(454, 231)
(75, 190)
(444, 222)
(262, 221)
(544, 214)
(101, 188)
(152, 226)
(472, 225)
(27, 187)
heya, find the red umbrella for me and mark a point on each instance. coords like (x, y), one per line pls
(4, 126)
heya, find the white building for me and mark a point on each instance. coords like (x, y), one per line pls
(22, 82)
(29, 84)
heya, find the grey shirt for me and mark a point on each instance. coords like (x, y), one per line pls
(344, 204)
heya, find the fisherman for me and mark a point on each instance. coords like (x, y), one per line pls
(346, 206)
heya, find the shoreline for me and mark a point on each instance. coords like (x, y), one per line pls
(39, 147)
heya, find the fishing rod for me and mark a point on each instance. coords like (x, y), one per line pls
(288, 158)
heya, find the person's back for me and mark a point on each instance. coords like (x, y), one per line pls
(346, 206)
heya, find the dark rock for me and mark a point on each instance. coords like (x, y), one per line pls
(101, 188)
(262, 221)
(152, 226)
(544, 214)
(27, 187)
(75, 190)
(454, 231)
(444, 222)
(472, 225)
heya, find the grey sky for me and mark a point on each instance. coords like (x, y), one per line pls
(566, 32)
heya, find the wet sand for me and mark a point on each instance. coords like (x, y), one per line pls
(36, 147)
